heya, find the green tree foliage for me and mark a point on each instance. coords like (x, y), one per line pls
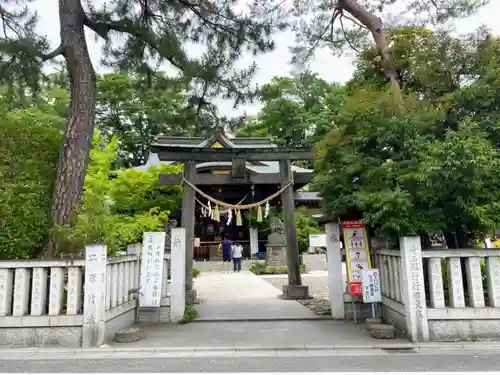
(29, 148)
(430, 64)
(153, 32)
(117, 209)
(352, 23)
(306, 225)
(428, 163)
(138, 107)
(297, 111)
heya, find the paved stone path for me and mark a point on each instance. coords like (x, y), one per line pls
(243, 296)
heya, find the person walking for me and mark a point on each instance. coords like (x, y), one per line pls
(237, 254)
(226, 247)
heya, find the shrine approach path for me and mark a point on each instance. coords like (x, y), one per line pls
(244, 296)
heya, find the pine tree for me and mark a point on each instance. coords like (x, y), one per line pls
(155, 32)
(348, 23)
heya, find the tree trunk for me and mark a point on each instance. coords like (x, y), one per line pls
(77, 138)
(375, 26)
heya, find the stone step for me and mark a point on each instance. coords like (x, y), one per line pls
(383, 331)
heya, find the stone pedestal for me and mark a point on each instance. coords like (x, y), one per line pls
(276, 246)
(192, 296)
(295, 292)
(276, 256)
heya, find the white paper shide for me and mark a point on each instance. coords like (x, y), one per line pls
(370, 280)
(152, 269)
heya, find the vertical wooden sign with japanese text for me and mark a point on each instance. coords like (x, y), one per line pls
(94, 306)
(357, 254)
(152, 269)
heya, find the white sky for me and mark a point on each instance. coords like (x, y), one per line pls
(330, 68)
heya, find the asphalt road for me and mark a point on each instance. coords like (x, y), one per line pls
(335, 363)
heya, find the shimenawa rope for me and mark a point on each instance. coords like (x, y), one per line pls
(238, 207)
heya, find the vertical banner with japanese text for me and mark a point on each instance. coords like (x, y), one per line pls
(152, 269)
(357, 254)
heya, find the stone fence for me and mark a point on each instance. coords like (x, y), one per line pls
(80, 302)
(441, 295)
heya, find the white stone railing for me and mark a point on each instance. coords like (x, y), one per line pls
(428, 297)
(389, 264)
(41, 293)
(122, 275)
(447, 297)
(82, 302)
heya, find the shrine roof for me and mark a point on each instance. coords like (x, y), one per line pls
(261, 168)
(221, 138)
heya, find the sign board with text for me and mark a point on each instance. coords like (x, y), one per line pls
(357, 254)
(370, 280)
(151, 269)
(317, 240)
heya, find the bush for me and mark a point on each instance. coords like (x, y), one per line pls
(196, 273)
(444, 272)
(190, 314)
(259, 268)
(117, 209)
(29, 150)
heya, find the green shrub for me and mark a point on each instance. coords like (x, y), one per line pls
(444, 272)
(196, 273)
(190, 314)
(118, 207)
(29, 150)
(259, 268)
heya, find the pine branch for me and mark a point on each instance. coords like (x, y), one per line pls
(57, 52)
(161, 46)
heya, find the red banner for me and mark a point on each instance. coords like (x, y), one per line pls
(356, 288)
(353, 224)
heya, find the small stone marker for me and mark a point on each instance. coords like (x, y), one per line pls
(276, 245)
(128, 335)
(370, 322)
(383, 331)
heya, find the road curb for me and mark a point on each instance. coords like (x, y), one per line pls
(179, 351)
(260, 320)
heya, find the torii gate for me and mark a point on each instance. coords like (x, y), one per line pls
(190, 155)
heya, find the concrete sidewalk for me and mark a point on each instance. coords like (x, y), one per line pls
(275, 334)
(244, 296)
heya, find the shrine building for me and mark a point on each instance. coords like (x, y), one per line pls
(238, 182)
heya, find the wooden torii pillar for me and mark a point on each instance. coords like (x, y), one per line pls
(190, 156)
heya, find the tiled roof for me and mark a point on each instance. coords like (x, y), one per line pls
(237, 142)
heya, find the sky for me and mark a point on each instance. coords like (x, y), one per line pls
(329, 67)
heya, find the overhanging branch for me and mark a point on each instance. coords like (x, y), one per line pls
(57, 52)
(102, 28)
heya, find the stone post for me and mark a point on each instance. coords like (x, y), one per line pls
(254, 242)
(294, 289)
(94, 309)
(413, 290)
(168, 233)
(188, 212)
(335, 279)
(178, 273)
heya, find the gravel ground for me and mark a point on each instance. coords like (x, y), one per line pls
(318, 289)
